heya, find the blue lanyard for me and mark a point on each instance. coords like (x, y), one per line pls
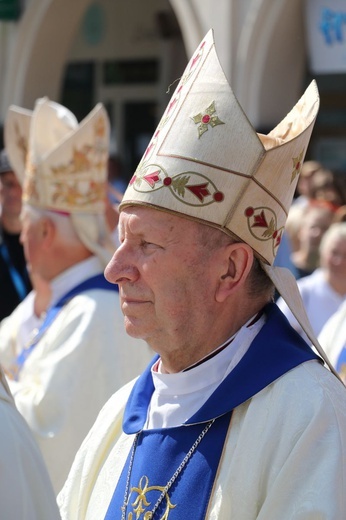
(16, 278)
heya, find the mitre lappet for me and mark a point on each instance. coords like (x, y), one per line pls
(63, 166)
(206, 162)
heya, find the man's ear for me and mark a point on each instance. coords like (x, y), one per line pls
(236, 270)
(48, 231)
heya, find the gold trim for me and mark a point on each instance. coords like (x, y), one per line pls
(250, 177)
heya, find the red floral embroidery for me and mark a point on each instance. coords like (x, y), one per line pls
(278, 237)
(148, 150)
(200, 190)
(260, 220)
(171, 105)
(195, 60)
(218, 196)
(259, 227)
(152, 178)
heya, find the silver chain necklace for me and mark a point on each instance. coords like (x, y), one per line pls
(150, 515)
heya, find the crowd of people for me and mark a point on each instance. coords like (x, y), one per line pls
(158, 361)
(316, 251)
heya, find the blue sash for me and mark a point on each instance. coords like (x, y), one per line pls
(95, 282)
(158, 455)
(276, 349)
(341, 363)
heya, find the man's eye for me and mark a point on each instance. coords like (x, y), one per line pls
(148, 245)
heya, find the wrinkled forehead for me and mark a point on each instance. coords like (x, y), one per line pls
(139, 219)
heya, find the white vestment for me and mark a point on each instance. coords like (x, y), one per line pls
(81, 360)
(25, 492)
(284, 457)
(333, 339)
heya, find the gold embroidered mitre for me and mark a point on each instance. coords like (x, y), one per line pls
(65, 162)
(206, 161)
(16, 138)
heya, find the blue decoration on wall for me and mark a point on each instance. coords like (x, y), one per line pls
(94, 24)
(332, 26)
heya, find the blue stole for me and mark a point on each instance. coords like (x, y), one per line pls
(276, 349)
(341, 363)
(95, 282)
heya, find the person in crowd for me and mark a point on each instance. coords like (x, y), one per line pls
(14, 279)
(325, 289)
(333, 340)
(305, 182)
(292, 226)
(328, 187)
(64, 347)
(26, 490)
(315, 219)
(236, 418)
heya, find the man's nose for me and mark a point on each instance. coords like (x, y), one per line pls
(121, 267)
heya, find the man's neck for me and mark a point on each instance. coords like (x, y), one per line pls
(183, 358)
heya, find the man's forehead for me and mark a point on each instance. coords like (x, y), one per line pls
(139, 219)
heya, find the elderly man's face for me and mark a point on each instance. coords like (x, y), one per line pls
(166, 277)
(31, 238)
(10, 194)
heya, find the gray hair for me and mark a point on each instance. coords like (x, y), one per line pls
(259, 283)
(61, 221)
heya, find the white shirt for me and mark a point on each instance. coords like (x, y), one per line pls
(319, 298)
(178, 396)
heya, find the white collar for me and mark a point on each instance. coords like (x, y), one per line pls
(73, 276)
(178, 396)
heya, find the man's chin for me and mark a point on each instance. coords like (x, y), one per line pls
(133, 330)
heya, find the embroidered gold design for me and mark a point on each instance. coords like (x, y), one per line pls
(21, 142)
(70, 182)
(297, 165)
(191, 188)
(141, 503)
(164, 490)
(71, 195)
(29, 188)
(206, 118)
(100, 127)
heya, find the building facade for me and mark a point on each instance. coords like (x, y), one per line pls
(129, 54)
